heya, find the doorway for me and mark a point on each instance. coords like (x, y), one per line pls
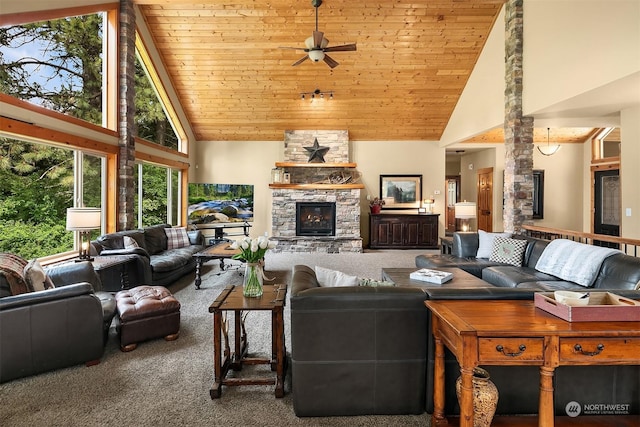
(485, 199)
(606, 204)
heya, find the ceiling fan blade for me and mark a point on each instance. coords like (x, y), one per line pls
(293, 48)
(301, 60)
(332, 63)
(317, 38)
(341, 48)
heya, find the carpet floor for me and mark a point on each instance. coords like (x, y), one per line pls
(165, 383)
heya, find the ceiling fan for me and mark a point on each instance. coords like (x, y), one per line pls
(317, 45)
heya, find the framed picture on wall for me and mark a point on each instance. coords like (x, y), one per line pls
(401, 191)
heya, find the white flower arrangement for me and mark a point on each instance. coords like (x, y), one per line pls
(252, 250)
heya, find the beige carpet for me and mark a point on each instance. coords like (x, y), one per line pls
(167, 383)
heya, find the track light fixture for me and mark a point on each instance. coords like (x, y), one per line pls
(316, 94)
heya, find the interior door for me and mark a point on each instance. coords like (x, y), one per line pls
(452, 196)
(606, 209)
(485, 199)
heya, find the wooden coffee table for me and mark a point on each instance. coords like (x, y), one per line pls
(461, 279)
(220, 251)
(231, 299)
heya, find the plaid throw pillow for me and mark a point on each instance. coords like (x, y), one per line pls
(177, 237)
(508, 251)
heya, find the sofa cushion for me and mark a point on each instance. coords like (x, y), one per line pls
(177, 237)
(330, 278)
(12, 266)
(155, 238)
(508, 251)
(36, 278)
(619, 271)
(116, 240)
(130, 243)
(485, 245)
(510, 276)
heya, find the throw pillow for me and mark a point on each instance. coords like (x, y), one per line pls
(130, 243)
(508, 251)
(374, 283)
(331, 278)
(35, 277)
(486, 242)
(177, 237)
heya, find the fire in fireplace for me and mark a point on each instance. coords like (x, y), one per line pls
(315, 219)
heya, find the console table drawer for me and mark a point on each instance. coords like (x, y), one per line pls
(585, 350)
(510, 349)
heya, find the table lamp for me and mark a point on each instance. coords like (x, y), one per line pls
(83, 220)
(465, 211)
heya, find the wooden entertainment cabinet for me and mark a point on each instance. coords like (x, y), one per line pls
(403, 231)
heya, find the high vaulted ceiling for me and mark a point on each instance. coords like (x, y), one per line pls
(412, 61)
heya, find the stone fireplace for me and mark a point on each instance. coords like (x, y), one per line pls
(312, 213)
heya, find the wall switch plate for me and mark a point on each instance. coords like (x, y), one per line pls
(628, 212)
(436, 192)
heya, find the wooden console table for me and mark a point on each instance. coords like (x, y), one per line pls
(506, 332)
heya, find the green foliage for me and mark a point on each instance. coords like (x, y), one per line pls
(34, 240)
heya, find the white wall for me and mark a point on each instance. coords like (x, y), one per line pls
(629, 172)
(250, 162)
(563, 178)
(481, 105)
(572, 47)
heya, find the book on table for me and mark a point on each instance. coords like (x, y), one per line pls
(431, 276)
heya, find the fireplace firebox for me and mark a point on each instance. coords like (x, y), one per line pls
(315, 219)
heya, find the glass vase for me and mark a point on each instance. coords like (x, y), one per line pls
(253, 279)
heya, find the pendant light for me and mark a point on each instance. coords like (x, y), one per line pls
(549, 149)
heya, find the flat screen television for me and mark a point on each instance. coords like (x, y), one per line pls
(219, 203)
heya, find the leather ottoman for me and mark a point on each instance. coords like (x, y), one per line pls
(144, 313)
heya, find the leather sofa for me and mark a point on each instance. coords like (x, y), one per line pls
(54, 328)
(356, 350)
(155, 264)
(617, 273)
(518, 385)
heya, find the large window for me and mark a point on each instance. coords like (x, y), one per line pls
(56, 64)
(157, 195)
(38, 183)
(62, 63)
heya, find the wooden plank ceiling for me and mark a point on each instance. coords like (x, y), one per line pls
(412, 62)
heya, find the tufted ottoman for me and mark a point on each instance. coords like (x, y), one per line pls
(146, 312)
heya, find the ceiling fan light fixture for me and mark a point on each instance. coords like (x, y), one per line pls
(548, 149)
(316, 55)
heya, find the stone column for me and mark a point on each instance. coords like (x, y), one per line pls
(518, 130)
(126, 116)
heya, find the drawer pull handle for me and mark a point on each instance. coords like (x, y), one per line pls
(599, 348)
(522, 348)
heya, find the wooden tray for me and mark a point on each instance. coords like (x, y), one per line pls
(603, 306)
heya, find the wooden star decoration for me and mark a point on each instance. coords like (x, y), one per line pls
(316, 152)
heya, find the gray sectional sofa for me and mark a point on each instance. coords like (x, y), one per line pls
(518, 386)
(618, 272)
(359, 350)
(155, 264)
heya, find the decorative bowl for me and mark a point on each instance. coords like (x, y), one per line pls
(572, 298)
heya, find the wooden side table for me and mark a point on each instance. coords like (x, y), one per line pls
(520, 334)
(231, 299)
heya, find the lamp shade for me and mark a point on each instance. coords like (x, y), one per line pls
(465, 210)
(83, 219)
